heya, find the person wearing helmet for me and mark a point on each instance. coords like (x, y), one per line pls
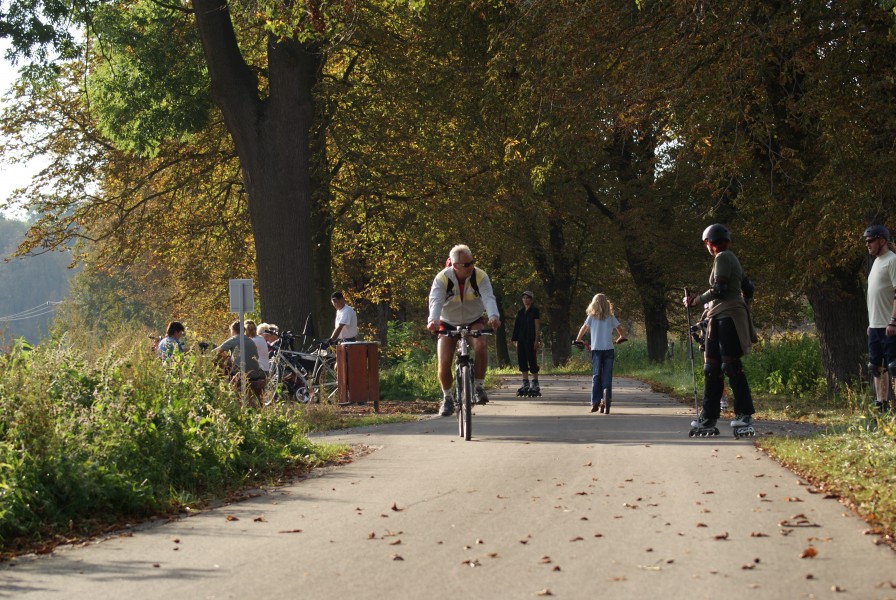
(881, 311)
(729, 334)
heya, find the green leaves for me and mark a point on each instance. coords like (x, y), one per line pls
(149, 83)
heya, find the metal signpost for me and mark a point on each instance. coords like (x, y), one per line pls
(242, 300)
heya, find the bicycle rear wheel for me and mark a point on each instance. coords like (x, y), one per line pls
(326, 384)
(465, 410)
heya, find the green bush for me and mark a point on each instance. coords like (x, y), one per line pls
(123, 435)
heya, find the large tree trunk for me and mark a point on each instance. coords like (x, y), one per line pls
(841, 319)
(272, 137)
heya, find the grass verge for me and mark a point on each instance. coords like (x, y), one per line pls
(90, 440)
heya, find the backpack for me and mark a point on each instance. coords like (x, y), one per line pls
(449, 292)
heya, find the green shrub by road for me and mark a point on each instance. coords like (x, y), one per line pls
(87, 441)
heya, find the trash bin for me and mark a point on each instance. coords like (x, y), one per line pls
(357, 373)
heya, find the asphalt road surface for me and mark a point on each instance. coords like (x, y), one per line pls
(547, 500)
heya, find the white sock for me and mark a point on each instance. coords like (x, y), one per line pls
(447, 393)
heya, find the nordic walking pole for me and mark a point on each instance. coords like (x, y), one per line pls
(691, 350)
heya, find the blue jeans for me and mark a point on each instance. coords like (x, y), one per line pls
(601, 374)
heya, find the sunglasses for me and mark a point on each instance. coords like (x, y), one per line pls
(871, 239)
(466, 264)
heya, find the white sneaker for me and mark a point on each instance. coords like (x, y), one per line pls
(724, 403)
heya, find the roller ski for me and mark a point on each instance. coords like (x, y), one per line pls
(703, 427)
(742, 426)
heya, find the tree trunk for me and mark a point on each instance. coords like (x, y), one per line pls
(272, 136)
(651, 289)
(841, 320)
(501, 351)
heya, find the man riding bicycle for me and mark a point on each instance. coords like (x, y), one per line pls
(459, 295)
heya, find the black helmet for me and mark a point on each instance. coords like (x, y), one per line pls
(716, 233)
(877, 231)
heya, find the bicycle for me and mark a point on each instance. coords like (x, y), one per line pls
(463, 376)
(306, 377)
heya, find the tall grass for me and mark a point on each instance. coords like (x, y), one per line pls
(785, 373)
(91, 437)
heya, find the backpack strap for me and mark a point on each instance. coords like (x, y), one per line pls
(449, 285)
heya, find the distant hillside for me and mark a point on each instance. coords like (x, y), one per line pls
(28, 283)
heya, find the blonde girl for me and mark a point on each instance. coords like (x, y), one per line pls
(601, 322)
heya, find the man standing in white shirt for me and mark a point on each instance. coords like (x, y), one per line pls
(881, 311)
(346, 328)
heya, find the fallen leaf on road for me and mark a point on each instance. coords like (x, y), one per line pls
(587, 464)
(837, 588)
(809, 553)
(371, 535)
(543, 593)
(395, 507)
(761, 494)
(798, 521)
(397, 557)
(157, 565)
(709, 492)
(492, 555)
(581, 493)
(721, 536)
(578, 538)
(748, 567)
(792, 499)
(231, 518)
(291, 531)
(259, 519)
(885, 584)
(702, 525)
(524, 541)
(810, 576)
(472, 563)
(557, 568)
(545, 560)
(583, 519)
(394, 542)
(758, 534)
(598, 535)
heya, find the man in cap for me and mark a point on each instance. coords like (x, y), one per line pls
(881, 311)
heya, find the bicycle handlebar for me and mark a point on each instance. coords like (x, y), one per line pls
(452, 331)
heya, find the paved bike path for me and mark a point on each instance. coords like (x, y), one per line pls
(546, 500)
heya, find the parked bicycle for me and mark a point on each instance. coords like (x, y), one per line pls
(304, 377)
(463, 376)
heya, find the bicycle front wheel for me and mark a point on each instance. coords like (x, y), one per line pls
(465, 410)
(326, 385)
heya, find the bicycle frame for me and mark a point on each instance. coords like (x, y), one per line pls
(464, 377)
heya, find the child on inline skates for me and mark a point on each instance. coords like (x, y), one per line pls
(527, 337)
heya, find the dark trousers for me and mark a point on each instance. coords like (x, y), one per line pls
(723, 348)
(527, 357)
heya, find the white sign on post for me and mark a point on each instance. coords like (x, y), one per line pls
(242, 300)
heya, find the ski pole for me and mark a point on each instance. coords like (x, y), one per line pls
(691, 349)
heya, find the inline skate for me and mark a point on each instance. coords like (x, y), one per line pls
(742, 425)
(703, 427)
